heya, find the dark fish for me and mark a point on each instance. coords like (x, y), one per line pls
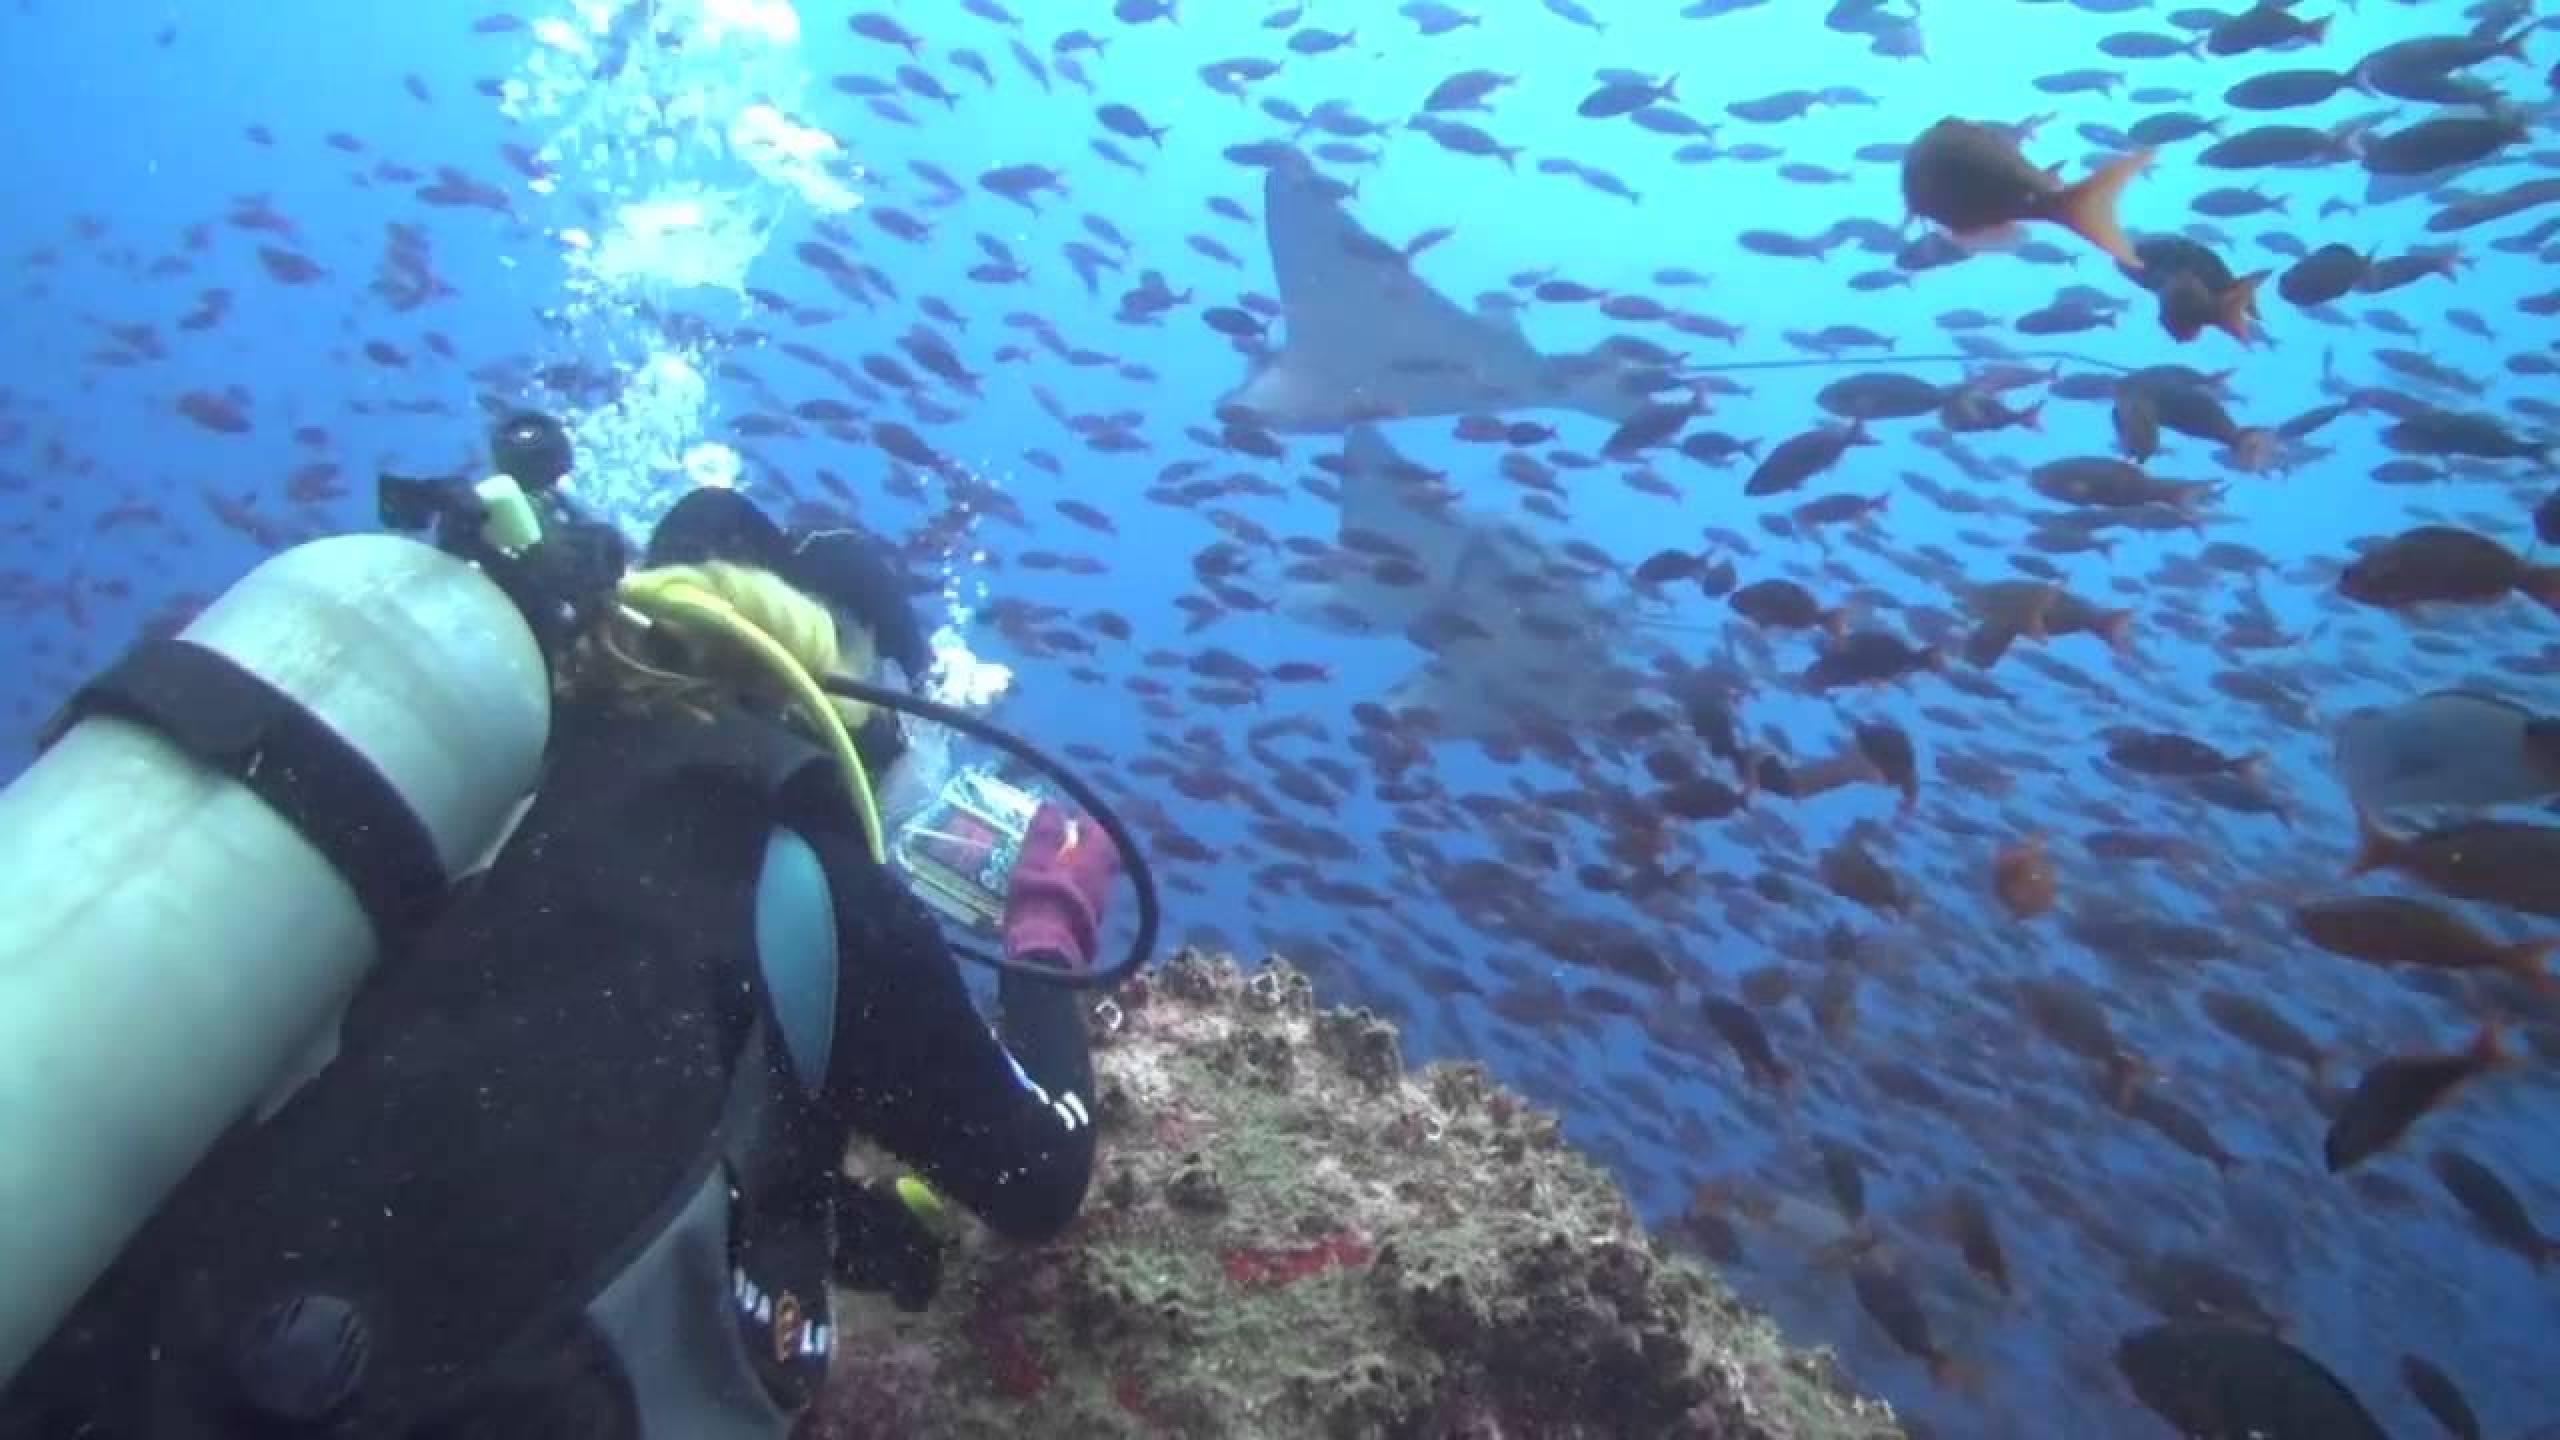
(1019, 183)
(1649, 426)
(1573, 12)
(2401, 271)
(2312, 421)
(2269, 145)
(2286, 89)
(868, 25)
(1836, 510)
(1881, 395)
(1122, 120)
(2154, 752)
(1714, 447)
(287, 267)
(2231, 202)
(1666, 566)
(2185, 1129)
(1700, 797)
(2440, 143)
(1869, 657)
(2264, 26)
(1741, 1029)
(2153, 131)
(2231, 1382)
(1626, 97)
(2191, 409)
(1978, 1238)
(1774, 109)
(1842, 1173)
(2137, 423)
(2080, 82)
(2396, 1093)
(1850, 871)
(2442, 1398)
(2066, 319)
(1888, 748)
(2397, 930)
(1433, 18)
(1227, 320)
(1799, 458)
(2497, 862)
(1889, 1300)
(2425, 430)
(1784, 605)
(1464, 139)
(1971, 178)
(1466, 90)
(2102, 482)
(2256, 1023)
(2142, 45)
(2425, 68)
(2323, 275)
(2440, 564)
(2492, 1206)
(2475, 210)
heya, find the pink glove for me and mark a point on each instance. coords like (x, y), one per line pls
(1053, 910)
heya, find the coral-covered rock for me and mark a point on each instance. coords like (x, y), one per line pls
(1290, 1235)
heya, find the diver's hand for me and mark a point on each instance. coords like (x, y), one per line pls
(882, 1244)
(1053, 912)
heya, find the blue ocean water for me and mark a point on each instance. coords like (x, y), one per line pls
(610, 211)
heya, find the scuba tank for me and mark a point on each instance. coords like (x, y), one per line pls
(230, 826)
(224, 833)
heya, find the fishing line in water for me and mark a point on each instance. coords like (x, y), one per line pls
(1892, 361)
(1668, 626)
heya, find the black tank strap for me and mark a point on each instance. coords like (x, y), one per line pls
(231, 720)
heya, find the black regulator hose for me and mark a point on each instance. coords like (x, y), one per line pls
(1133, 859)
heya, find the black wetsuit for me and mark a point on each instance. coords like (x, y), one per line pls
(585, 1056)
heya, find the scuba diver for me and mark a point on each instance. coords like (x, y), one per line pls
(577, 1167)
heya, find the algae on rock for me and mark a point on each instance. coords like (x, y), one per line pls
(1288, 1235)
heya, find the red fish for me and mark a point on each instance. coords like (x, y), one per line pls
(1972, 179)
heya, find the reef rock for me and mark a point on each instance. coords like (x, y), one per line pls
(1289, 1235)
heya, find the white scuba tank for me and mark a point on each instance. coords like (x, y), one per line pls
(169, 946)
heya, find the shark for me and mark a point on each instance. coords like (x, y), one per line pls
(1516, 630)
(1363, 338)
